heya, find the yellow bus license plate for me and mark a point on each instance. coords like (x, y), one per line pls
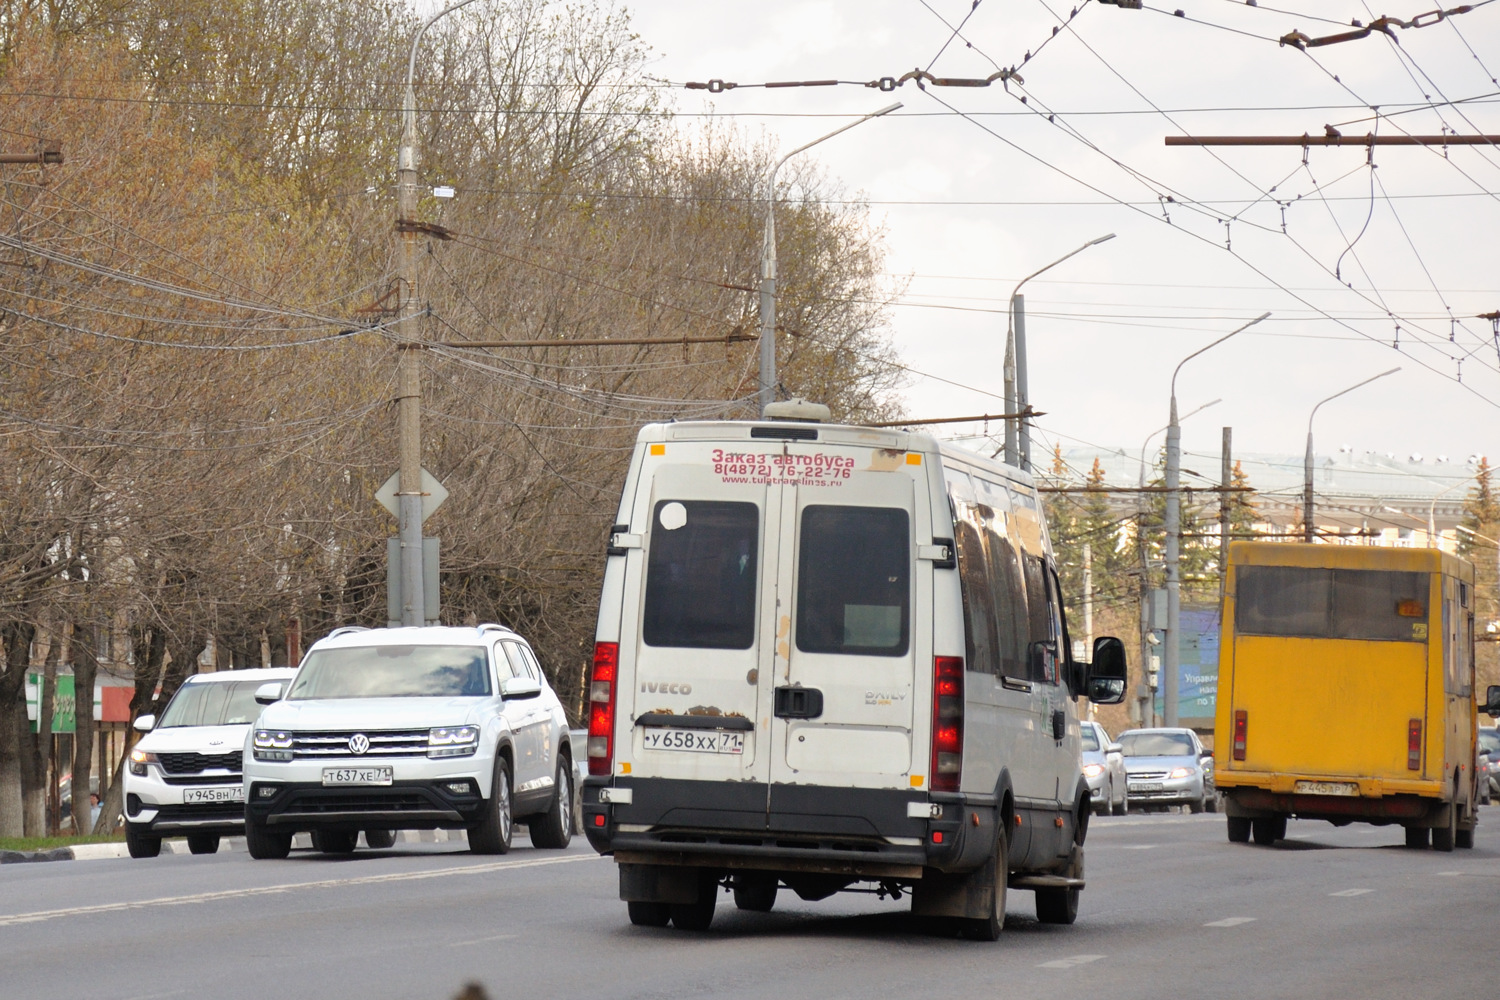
(1326, 788)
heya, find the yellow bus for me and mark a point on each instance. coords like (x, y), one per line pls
(1346, 691)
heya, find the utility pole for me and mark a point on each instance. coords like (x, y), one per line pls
(1226, 473)
(408, 360)
(1088, 598)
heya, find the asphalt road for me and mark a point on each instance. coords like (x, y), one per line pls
(1171, 908)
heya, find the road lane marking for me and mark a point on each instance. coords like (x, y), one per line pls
(1450, 873)
(1137, 847)
(39, 916)
(1351, 892)
(1069, 963)
(1230, 922)
(483, 940)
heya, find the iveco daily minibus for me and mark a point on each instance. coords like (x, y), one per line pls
(832, 657)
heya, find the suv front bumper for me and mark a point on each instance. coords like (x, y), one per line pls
(401, 805)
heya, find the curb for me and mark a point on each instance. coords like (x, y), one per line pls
(53, 854)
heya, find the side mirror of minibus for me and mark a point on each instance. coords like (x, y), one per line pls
(1106, 684)
(1492, 701)
(519, 687)
(268, 692)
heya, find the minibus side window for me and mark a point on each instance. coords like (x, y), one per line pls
(974, 582)
(1010, 605)
(1040, 618)
(701, 575)
(854, 581)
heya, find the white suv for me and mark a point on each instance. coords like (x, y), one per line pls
(183, 777)
(414, 729)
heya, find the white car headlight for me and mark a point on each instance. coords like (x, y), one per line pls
(138, 761)
(1180, 772)
(1093, 770)
(271, 744)
(453, 741)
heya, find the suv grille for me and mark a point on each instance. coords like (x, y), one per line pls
(193, 763)
(321, 746)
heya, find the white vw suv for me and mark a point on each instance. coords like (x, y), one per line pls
(183, 777)
(409, 729)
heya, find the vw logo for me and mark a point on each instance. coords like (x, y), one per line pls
(359, 743)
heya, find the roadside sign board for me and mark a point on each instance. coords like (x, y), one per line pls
(64, 704)
(433, 495)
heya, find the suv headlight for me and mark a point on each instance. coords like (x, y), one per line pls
(1180, 772)
(138, 761)
(269, 744)
(453, 741)
(1093, 770)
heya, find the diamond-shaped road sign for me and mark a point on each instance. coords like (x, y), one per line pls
(433, 495)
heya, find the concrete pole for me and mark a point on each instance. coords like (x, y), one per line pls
(1226, 479)
(1307, 461)
(1173, 529)
(767, 381)
(1012, 452)
(1023, 395)
(1088, 599)
(409, 362)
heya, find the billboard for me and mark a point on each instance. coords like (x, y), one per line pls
(1197, 668)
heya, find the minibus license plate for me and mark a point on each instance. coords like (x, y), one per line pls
(209, 796)
(1326, 788)
(695, 740)
(358, 775)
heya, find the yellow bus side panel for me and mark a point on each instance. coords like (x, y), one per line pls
(1326, 708)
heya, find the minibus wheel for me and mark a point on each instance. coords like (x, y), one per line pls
(649, 914)
(988, 927)
(1416, 837)
(697, 915)
(1239, 829)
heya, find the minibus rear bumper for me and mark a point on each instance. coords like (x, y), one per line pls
(873, 832)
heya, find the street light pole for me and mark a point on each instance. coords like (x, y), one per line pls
(767, 394)
(1173, 528)
(1307, 462)
(408, 364)
(1017, 396)
(1140, 540)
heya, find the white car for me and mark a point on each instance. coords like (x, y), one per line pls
(1104, 770)
(410, 729)
(184, 775)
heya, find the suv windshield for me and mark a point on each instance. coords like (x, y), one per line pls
(1156, 745)
(393, 672)
(212, 704)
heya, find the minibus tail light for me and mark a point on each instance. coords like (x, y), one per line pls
(602, 687)
(947, 723)
(1414, 745)
(1240, 723)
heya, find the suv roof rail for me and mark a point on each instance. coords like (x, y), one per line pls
(488, 626)
(346, 629)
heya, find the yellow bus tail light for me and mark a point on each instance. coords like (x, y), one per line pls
(1411, 609)
(1414, 745)
(1240, 721)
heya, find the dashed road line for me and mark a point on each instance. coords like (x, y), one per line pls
(39, 916)
(1071, 962)
(1351, 892)
(1230, 922)
(1137, 847)
(484, 940)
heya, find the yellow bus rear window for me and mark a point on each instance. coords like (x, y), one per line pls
(1367, 604)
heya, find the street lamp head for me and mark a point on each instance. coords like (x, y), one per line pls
(1102, 239)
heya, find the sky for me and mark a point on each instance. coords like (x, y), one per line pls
(976, 189)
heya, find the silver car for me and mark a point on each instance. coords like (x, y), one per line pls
(1489, 744)
(1104, 770)
(1168, 767)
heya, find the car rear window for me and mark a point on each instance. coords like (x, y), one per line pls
(701, 573)
(854, 581)
(212, 704)
(1488, 740)
(1314, 603)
